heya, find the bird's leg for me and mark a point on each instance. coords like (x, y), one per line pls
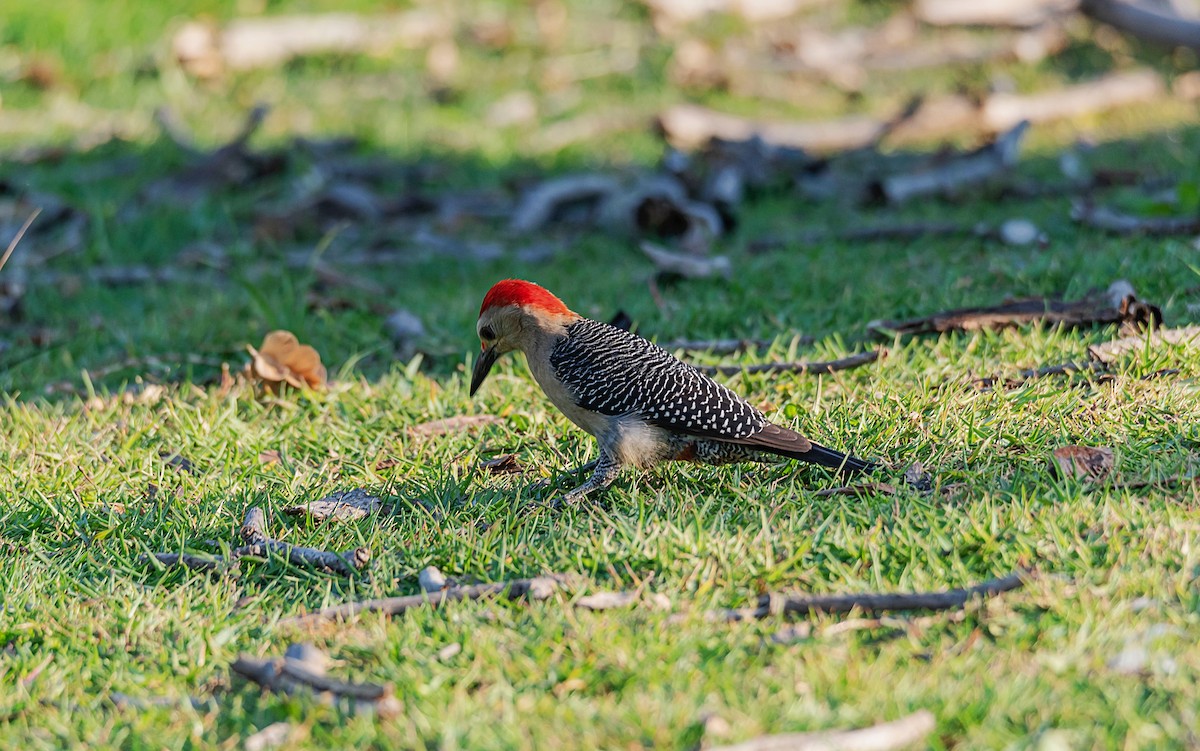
(607, 469)
(583, 469)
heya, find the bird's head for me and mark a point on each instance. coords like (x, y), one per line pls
(514, 315)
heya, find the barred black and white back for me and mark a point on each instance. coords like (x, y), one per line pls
(614, 372)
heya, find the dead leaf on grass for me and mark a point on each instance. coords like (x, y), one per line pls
(458, 424)
(283, 359)
(346, 505)
(504, 464)
(1110, 352)
(270, 456)
(918, 478)
(1084, 462)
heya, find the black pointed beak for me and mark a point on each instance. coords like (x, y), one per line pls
(483, 366)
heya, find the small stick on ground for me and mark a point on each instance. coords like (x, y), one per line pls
(303, 669)
(1119, 223)
(776, 604)
(254, 528)
(803, 367)
(1029, 374)
(1118, 304)
(956, 174)
(253, 533)
(12, 245)
(886, 736)
(537, 588)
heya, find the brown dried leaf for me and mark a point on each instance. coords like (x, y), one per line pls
(502, 465)
(459, 424)
(270, 456)
(346, 505)
(282, 359)
(1084, 462)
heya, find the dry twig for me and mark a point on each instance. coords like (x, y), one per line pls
(974, 168)
(257, 543)
(12, 245)
(1066, 368)
(248, 43)
(1003, 110)
(1021, 13)
(776, 604)
(1118, 304)
(1119, 223)
(302, 668)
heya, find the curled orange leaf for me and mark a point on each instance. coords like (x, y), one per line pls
(283, 359)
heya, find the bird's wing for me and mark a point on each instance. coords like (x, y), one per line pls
(614, 372)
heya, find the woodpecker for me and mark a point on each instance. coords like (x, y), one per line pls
(643, 405)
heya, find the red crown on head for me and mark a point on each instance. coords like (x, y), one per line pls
(518, 292)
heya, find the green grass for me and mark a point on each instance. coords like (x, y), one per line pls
(86, 490)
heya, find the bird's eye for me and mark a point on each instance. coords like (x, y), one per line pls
(487, 333)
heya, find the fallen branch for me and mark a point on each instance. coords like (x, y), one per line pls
(776, 604)
(537, 588)
(687, 265)
(12, 245)
(883, 737)
(1119, 223)
(1029, 374)
(1002, 110)
(1116, 305)
(231, 164)
(1020, 13)
(688, 126)
(803, 367)
(253, 533)
(248, 43)
(961, 172)
(1145, 22)
(540, 205)
(302, 669)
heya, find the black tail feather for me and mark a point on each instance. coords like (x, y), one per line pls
(826, 457)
